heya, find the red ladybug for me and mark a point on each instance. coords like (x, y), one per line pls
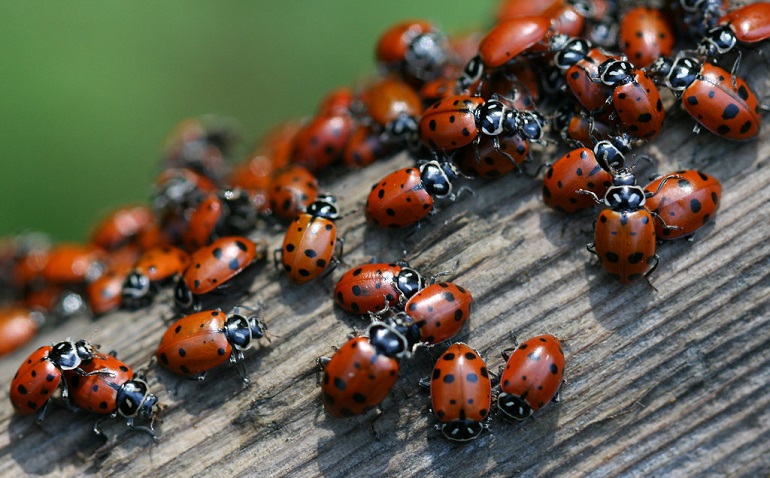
(18, 325)
(461, 393)
(624, 236)
(646, 34)
(230, 212)
(532, 377)
(308, 245)
(365, 147)
(405, 196)
(223, 269)
(635, 98)
(578, 169)
(70, 264)
(41, 373)
(493, 162)
(321, 141)
(438, 311)
(105, 293)
(109, 387)
(415, 49)
(292, 190)
(195, 344)
(362, 372)
(460, 120)
(687, 203)
(747, 24)
(394, 106)
(120, 226)
(580, 63)
(503, 44)
(719, 101)
(154, 268)
(370, 287)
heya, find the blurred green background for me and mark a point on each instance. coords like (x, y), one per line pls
(91, 88)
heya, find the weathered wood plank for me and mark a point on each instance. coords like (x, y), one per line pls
(666, 382)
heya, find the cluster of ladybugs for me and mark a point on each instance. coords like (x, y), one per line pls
(467, 106)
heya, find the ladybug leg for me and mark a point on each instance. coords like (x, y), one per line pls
(149, 430)
(663, 223)
(276, 254)
(424, 382)
(591, 248)
(590, 193)
(660, 186)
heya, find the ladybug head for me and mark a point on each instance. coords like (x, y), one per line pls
(438, 177)
(402, 130)
(240, 216)
(67, 354)
(387, 340)
(682, 73)
(183, 297)
(134, 399)
(409, 282)
(513, 406)
(406, 327)
(609, 156)
(240, 331)
(462, 430)
(615, 72)
(472, 73)
(717, 41)
(569, 50)
(625, 197)
(531, 125)
(426, 56)
(136, 291)
(325, 206)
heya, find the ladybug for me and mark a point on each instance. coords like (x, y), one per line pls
(230, 212)
(438, 312)
(105, 293)
(362, 372)
(394, 106)
(580, 63)
(415, 49)
(155, 267)
(404, 197)
(18, 325)
(120, 227)
(309, 242)
(460, 120)
(196, 343)
(646, 34)
(532, 377)
(370, 287)
(492, 162)
(292, 190)
(635, 97)
(109, 387)
(40, 375)
(321, 141)
(687, 203)
(70, 264)
(461, 393)
(719, 101)
(225, 268)
(504, 43)
(624, 236)
(576, 170)
(747, 24)
(365, 147)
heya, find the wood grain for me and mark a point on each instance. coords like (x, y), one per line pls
(666, 382)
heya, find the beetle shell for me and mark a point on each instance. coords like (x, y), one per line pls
(18, 325)
(689, 202)
(646, 34)
(439, 311)
(750, 23)
(98, 393)
(451, 122)
(532, 376)
(625, 243)
(367, 288)
(590, 94)
(215, 264)
(293, 189)
(511, 37)
(34, 382)
(460, 392)
(357, 378)
(729, 112)
(195, 343)
(575, 170)
(399, 199)
(308, 247)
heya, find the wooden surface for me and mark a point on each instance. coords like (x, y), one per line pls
(660, 383)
